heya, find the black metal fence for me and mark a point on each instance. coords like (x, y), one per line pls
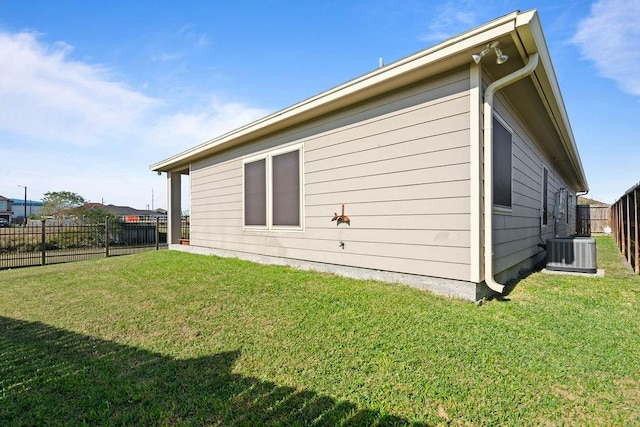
(46, 242)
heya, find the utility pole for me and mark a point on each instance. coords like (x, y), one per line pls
(25, 203)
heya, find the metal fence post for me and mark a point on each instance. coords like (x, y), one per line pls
(106, 236)
(157, 233)
(44, 244)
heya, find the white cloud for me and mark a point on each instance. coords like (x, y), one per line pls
(70, 125)
(448, 19)
(184, 129)
(610, 38)
(188, 31)
(166, 57)
(47, 96)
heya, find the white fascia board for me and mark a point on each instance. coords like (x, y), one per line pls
(397, 74)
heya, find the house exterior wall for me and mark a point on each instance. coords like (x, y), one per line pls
(5, 208)
(17, 208)
(402, 151)
(518, 233)
(399, 164)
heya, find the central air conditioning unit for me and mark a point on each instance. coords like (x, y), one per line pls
(575, 254)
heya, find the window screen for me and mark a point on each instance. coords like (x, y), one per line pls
(501, 164)
(545, 201)
(286, 189)
(255, 193)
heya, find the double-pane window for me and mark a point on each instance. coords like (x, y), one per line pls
(273, 191)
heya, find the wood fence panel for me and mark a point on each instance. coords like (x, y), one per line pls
(625, 217)
(599, 217)
(592, 219)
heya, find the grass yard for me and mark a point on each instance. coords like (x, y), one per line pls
(166, 338)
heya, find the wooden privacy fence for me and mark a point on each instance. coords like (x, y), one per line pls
(624, 224)
(599, 218)
(592, 219)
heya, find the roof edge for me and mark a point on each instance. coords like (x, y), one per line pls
(530, 22)
(399, 73)
(318, 104)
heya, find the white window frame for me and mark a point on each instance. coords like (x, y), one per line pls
(268, 157)
(501, 209)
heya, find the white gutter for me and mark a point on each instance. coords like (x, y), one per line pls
(488, 165)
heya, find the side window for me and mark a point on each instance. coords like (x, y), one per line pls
(545, 197)
(255, 193)
(273, 190)
(286, 189)
(502, 163)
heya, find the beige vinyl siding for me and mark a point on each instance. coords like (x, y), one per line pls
(399, 164)
(518, 233)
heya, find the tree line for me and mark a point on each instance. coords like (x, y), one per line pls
(61, 205)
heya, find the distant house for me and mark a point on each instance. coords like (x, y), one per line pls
(444, 170)
(5, 208)
(127, 213)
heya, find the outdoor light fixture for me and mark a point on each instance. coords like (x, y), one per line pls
(501, 58)
(478, 56)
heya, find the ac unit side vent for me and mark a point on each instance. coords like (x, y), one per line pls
(577, 254)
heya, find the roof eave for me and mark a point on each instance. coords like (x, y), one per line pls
(530, 33)
(446, 55)
(400, 73)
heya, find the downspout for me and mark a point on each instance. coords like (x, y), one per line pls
(488, 165)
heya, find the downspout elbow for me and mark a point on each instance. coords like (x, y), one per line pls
(488, 165)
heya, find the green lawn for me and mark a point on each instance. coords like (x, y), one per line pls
(165, 338)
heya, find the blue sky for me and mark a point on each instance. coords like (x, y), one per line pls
(93, 92)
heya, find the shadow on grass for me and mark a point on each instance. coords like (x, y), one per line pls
(52, 376)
